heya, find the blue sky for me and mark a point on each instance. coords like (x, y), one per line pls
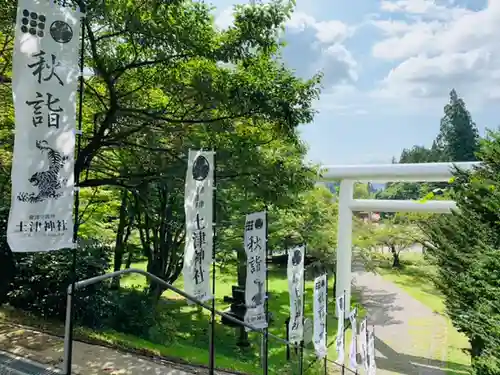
(388, 68)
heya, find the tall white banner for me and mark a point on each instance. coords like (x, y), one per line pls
(363, 335)
(295, 273)
(319, 306)
(372, 367)
(339, 342)
(198, 207)
(353, 349)
(44, 85)
(256, 250)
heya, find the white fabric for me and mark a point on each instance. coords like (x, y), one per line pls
(340, 329)
(198, 206)
(353, 363)
(364, 342)
(295, 273)
(255, 243)
(372, 366)
(44, 85)
(319, 306)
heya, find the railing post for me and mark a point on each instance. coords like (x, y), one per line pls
(68, 342)
(344, 242)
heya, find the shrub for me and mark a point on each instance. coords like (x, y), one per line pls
(6, 259)
(41, 280)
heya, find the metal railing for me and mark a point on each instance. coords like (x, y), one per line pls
(94, 280)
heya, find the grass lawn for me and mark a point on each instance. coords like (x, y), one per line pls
(192, 330)
(416, 279)
(191, 340)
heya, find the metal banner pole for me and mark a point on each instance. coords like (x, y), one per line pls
(211, 364)
(266, 331)
(343, 334)
(326, 327)
(76, 224)
(301, 359)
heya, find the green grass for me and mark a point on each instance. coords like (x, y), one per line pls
(191, 340)
(193, 326)
(415, 278)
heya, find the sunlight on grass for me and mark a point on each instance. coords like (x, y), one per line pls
(193, 328)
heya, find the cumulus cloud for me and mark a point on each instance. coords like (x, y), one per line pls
(314, 46)
(437, 46)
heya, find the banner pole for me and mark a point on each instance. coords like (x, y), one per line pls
(343, 333)
(214, 225)
(301, 359)
(76, 219)
(266, 330)
(326, 327)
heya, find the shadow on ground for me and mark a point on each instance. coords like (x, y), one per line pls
(373, 299)
(412, 365)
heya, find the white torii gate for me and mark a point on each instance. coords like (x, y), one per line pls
(349, 174)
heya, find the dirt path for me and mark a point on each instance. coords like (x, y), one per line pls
(44, 349)
(408, 334)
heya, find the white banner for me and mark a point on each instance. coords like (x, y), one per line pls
(372, 367)
(295, 273)
(44, 85)
(198, 206)
(353, 349)
(363, 334)
(319, 306)
(256, 250)
(340, 329)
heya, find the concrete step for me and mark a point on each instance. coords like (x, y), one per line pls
(13, 365)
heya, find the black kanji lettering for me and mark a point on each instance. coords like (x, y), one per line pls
(41, 65)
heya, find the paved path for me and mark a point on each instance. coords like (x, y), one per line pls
(47, 350)
(408, 334)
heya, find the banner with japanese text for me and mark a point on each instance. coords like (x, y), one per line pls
(295, 273)
(372, 366)
(319, 307)
(353, 349)
(44, 84)
(198, 207)
(339, 342)
(255, 243)
(363, 335)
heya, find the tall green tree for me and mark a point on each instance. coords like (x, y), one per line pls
(458, 135)
(465, 247)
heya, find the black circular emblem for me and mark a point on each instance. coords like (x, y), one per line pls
(61, 32)
(297, 257)
(201, 167)
(259, 223)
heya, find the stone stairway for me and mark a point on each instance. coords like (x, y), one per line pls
(12, 365)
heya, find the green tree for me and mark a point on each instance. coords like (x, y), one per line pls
(458, 135)
(465, 246)
(372, 238)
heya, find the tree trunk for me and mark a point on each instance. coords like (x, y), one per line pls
(242, 267)
(395, 258)
(334, 284)
(242, 276)
(119, 243)
(477, 346)
(129, 259)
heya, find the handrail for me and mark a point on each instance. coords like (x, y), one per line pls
(94, 280)
(83, 283)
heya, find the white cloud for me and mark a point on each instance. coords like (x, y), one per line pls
(225, 18)
(438, 47)
(314, 46)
